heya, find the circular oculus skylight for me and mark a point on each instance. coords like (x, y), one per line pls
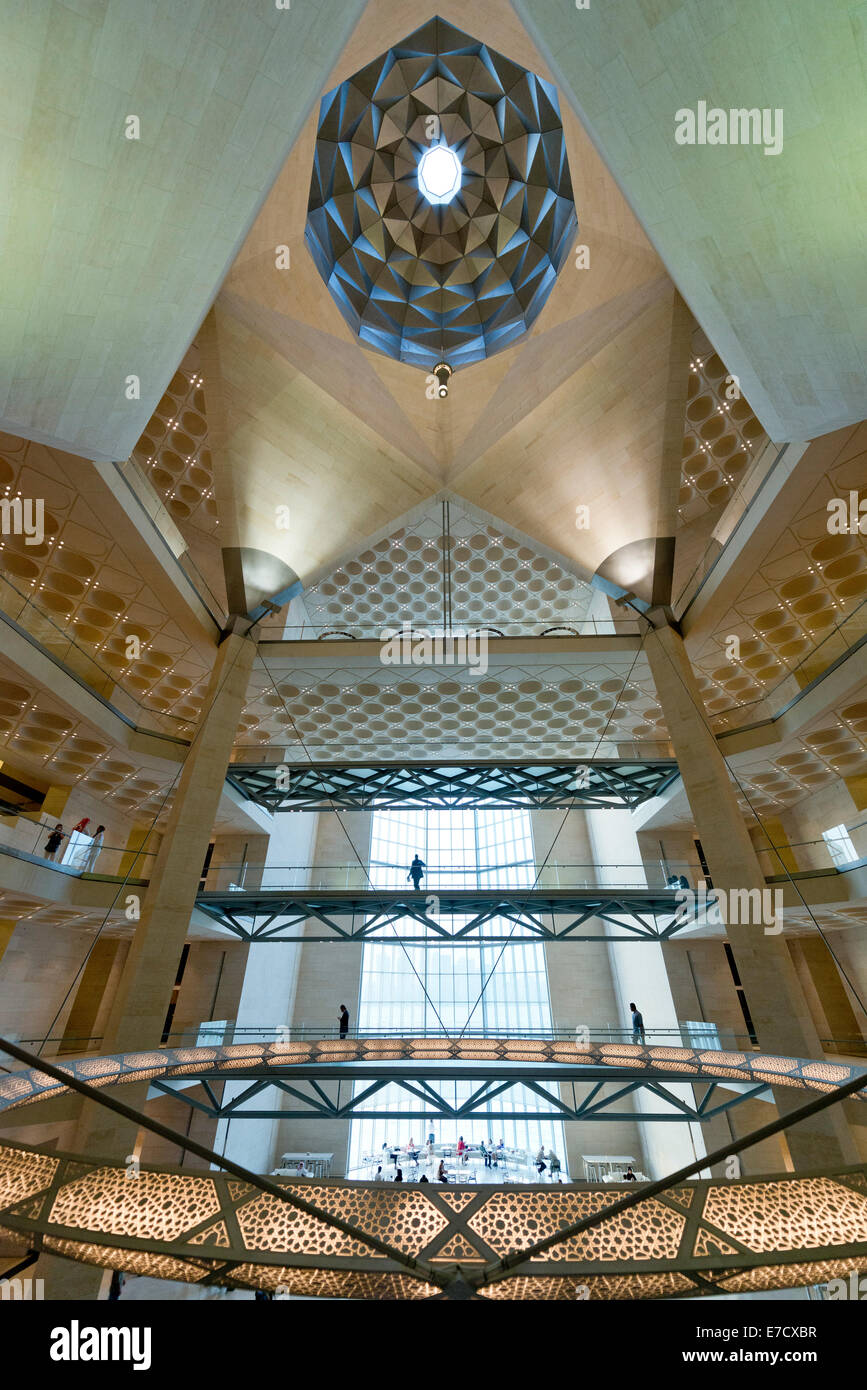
(439, 174)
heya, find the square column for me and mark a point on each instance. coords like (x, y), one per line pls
(777, 1004)
(144, 992)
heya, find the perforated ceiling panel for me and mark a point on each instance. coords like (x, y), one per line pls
(495, 580)
(512, 711)
(722, 436)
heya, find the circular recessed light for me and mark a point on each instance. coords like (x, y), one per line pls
(439, 174)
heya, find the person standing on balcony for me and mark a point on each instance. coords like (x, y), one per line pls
(93, 851)
(343, 1019)
(54, 841)
(416, 872)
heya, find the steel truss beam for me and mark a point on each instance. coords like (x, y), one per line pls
(549, 915)
(354, 787)
(343, 1091)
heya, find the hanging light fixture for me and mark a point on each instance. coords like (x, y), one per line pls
(443, 372)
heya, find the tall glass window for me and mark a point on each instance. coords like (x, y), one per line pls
(474, 988)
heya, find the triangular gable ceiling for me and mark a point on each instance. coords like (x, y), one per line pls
(494, 578)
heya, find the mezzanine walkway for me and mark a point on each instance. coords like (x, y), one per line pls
(446, 915)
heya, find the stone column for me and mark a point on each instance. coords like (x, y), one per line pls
(81, 1023)
(329, 975)
(138, 854)
(268, 990)
(776, 1001)
(818, 971)
(638, 973)
(144, 992)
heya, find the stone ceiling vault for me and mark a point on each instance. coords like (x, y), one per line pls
(300, 414)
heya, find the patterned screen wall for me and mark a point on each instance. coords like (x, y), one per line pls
(733, 1236)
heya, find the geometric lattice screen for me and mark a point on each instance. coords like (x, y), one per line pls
(393, 1241)
(709, 1236)
(460, 280)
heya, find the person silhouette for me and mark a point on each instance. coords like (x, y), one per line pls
(416, 872)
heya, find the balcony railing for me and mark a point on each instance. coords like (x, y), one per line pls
(105, 682)
(387, 878)
(226, 1032)
(567, 629)
(25, 836)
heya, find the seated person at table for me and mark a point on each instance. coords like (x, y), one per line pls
(629, 1176)
(442, 1175)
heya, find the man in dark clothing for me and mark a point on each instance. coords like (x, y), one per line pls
(416, 872)
(637, 1025)
(344, 1020)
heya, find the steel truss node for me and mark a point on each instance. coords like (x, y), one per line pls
(405, 785)
(371, 915)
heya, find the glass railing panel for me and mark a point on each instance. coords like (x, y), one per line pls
(582, 627)
(29, 834)
(29, 613)
(250, 877)
(699, 1035)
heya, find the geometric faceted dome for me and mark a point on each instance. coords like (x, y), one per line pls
(459, 279)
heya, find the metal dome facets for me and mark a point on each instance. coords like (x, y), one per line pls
(461, 279)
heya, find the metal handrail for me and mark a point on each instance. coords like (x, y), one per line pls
(36, 632)
(697, 1033)
(43, 826)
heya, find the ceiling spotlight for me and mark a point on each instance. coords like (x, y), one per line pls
(439, 174)
(442, 371)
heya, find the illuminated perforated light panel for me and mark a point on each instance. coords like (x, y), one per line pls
(475, 989)
(734, 1235)
(728, 1236)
